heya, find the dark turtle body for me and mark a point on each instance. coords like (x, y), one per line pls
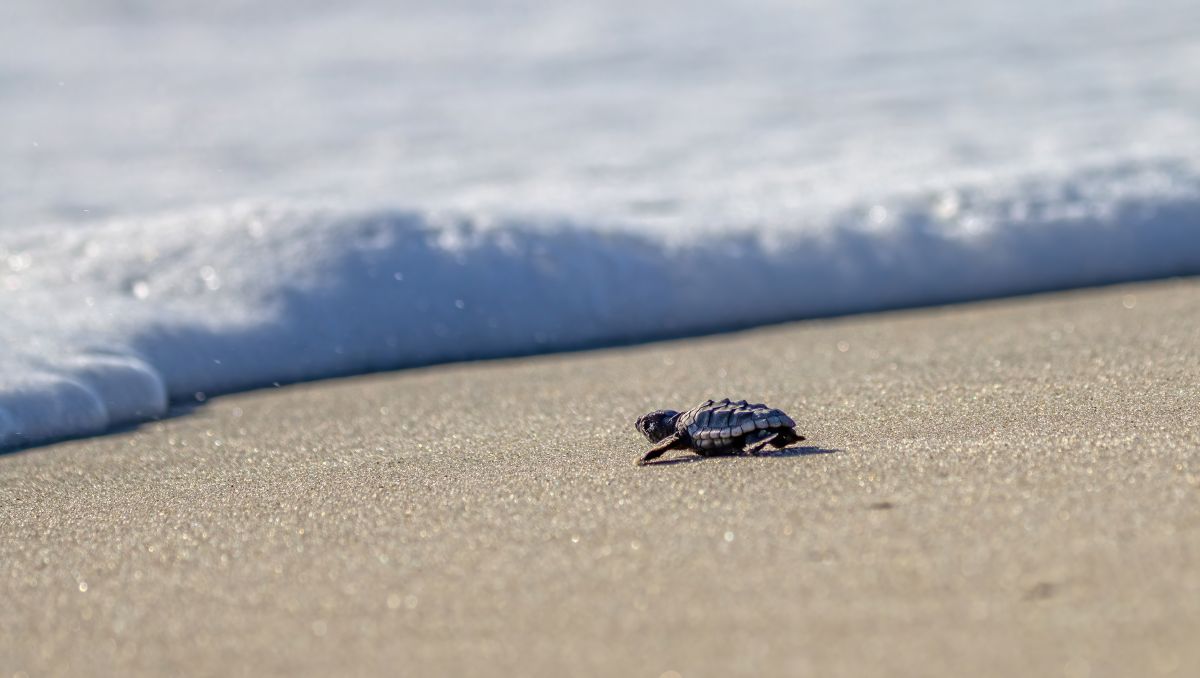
(718, 427)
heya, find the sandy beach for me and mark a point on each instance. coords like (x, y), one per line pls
(994, 489)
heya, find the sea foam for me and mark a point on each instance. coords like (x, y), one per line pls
(109, 323)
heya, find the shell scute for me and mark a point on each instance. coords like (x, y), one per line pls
(719, 423)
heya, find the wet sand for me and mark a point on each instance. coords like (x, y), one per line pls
(994, 489)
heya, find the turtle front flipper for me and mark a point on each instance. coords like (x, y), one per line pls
(675, 442)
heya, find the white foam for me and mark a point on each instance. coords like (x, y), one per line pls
(248, 195)
(139, 309)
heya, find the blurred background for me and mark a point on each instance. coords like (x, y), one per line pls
(647, 112)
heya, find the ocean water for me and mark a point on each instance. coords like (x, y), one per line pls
(200, 198)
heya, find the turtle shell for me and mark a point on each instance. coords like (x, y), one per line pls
(725, 423)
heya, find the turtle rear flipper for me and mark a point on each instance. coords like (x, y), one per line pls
(779, 439)
(786, 437)
(760, 441)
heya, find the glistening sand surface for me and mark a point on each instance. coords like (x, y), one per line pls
(998, 489)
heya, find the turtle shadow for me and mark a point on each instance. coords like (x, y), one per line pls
(800, 451)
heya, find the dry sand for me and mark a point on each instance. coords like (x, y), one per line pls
(997, 489)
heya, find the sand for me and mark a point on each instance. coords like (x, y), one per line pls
(994, 489)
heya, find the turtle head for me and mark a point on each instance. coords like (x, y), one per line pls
(657, 425)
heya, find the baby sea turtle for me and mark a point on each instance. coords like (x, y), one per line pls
(717, 427)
